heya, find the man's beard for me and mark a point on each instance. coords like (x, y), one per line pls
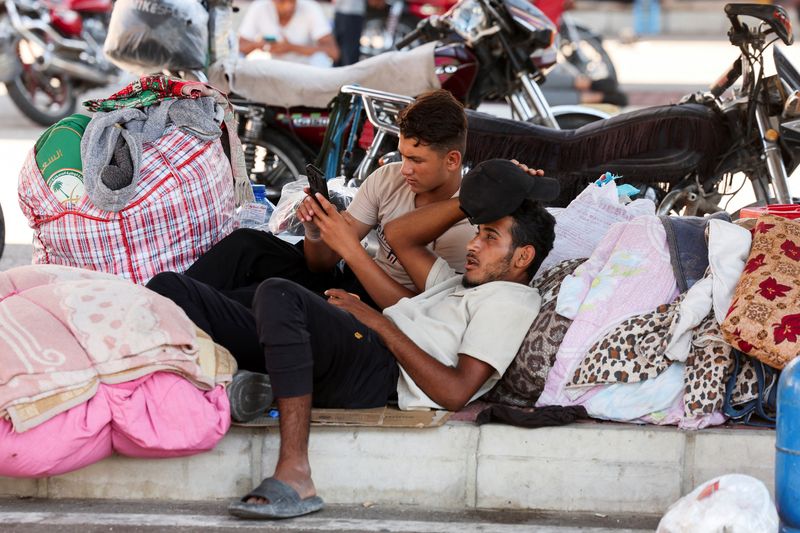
(496, 274)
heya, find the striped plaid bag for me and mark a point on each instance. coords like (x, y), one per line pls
(184, 204)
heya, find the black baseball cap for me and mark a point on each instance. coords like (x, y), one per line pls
(497, 187)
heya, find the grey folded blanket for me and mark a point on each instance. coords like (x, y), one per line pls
(111, 147)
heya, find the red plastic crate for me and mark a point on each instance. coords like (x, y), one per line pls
(790, 211)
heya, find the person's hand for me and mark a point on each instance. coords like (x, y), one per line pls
(529, 170)
(334, 229)
(305, 214)
(352, 304)
(376, 4)
(280, 47)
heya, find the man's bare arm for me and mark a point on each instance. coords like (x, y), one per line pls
(337, 233)
(320, 257)
(246, 45)
(450, 387)
(326, 44)
(410, 234)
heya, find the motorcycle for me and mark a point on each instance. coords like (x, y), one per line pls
(683, 156)
(577, 44)
(52, 52)
(492, 49)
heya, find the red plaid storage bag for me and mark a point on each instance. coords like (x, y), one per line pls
(184, 204)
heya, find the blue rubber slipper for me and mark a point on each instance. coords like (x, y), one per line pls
(284, 502)
(250, 395)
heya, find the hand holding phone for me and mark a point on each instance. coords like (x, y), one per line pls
(317, 182)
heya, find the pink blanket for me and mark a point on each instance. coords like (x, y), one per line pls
(628, 273)
(159, 415)
(63, 331)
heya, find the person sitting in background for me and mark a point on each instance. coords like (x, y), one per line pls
(290, 30)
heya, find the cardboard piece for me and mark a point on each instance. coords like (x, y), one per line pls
(390, 417)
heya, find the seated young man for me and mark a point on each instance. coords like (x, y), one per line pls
(442, 348)
(217, 291)
(432, 141)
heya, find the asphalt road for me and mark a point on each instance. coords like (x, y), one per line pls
(95, 516)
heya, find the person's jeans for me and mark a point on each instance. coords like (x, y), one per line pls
(347, 32)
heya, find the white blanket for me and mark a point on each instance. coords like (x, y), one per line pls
(285, 84)
(728, 246)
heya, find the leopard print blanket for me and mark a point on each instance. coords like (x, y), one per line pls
(634, 351)
(523, 382)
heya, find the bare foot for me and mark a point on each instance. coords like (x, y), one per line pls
(583, 83)
(591, 97)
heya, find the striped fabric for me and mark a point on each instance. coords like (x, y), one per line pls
(184, 204)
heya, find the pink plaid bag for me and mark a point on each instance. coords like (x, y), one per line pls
(183, 205)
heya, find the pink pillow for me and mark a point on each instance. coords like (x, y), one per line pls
(158, 415)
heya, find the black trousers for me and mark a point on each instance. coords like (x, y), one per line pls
(304, 343)
(229, 322)
(239, 262)
(310, 346)
(347, 32)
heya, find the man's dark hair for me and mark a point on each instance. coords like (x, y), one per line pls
(534, 225)
(435, 119)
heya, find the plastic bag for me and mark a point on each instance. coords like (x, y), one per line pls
(284, 218)
(144, 36)
(733, 503)
(584, 222)
(256, 214)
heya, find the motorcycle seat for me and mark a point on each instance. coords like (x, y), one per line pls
(661, 144)
(281, 83)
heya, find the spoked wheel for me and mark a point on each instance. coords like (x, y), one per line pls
(43, 97)
(687, 199)
(273, 161)
(588, 55)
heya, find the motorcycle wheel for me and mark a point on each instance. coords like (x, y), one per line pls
(42, 97)
(273, 161)
(372, 37)
(593, 60)
(686, 199)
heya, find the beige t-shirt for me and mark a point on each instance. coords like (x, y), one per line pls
(487, 322)
(385, 196)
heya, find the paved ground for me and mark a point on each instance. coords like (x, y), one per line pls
(57, 516)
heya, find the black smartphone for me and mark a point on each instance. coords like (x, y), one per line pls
(317, 182)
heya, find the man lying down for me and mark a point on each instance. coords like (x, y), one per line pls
(440, 349)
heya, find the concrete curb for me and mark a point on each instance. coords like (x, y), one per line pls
(605, 468)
